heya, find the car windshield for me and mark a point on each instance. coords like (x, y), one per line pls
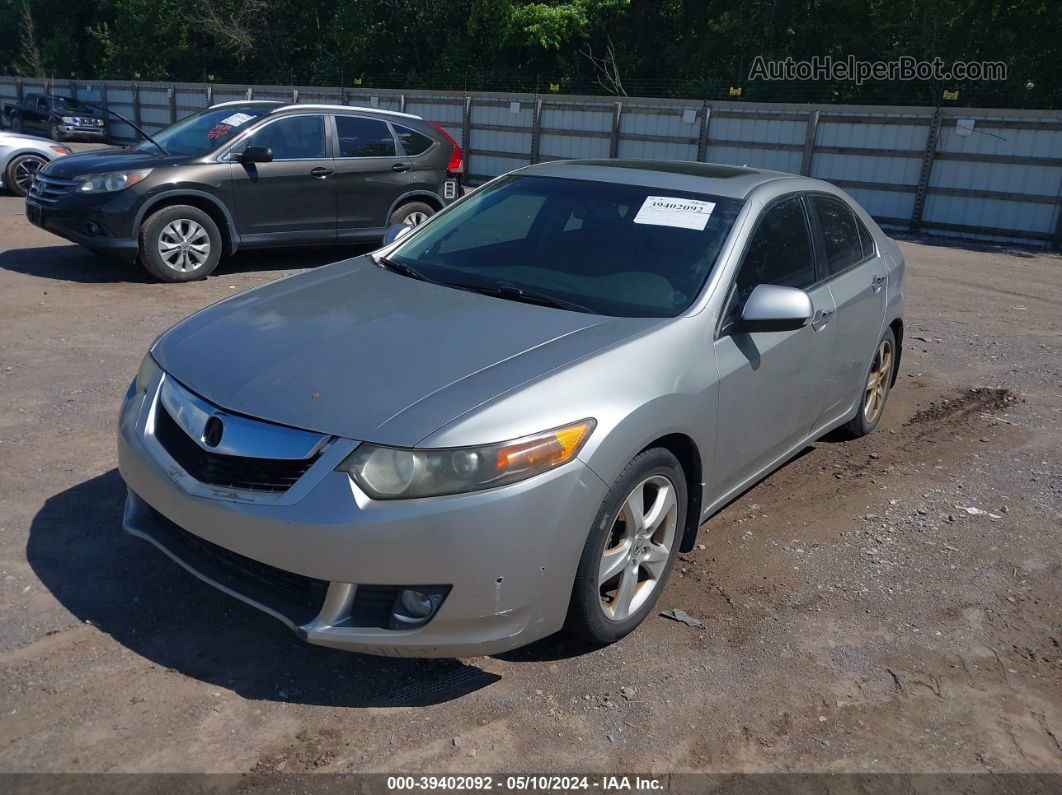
(62, 103)
(205, 131)
(605, 248)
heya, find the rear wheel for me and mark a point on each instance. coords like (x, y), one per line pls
(16, 123)
(412, 214)
(875, 389)
(631, 549)
(180, 244)
(21, 171)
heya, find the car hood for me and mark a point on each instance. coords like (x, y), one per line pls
(353, 350)
(111, 158)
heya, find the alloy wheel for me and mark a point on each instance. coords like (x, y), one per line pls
(878, 382)
(638, 547)
(26, 171)
(415, 219)
(184, 245)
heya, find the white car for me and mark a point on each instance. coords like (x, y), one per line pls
(22, 156)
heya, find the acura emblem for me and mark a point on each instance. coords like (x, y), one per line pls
(212, 431)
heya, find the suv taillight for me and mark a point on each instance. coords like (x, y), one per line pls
(456, 164)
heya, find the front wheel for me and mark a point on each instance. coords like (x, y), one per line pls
(21, 172)
(180, 244)
(875, 389)
(56, 134)
(411, 214)
(631, 549)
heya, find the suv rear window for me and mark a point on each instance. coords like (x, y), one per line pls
(413, 142)
(361, 137)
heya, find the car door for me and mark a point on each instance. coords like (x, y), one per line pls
(38, 116)
(772, 384)
(856, 276)
(293, 198)
(371, 175)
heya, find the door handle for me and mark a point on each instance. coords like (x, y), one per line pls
(401, 167)
(876, 282)
(822, 317)
(321, 172)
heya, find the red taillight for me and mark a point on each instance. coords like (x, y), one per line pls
(456, 164)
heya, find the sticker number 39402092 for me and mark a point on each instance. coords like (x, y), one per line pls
(675, 211)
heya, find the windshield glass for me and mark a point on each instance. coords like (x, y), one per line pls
(205, 131)
(621, 250)
(62, 103)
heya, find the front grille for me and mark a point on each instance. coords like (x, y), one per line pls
(275, 475)
(293, 595)
(48, 190)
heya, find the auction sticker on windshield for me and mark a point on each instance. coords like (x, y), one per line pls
(236, 119)
(673, 211)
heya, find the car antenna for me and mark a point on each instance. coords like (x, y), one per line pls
(136, 127)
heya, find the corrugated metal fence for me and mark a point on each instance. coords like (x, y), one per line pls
(992, 174)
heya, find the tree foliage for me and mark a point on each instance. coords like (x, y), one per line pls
(666, 47)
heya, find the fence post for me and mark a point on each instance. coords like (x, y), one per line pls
(702, 140)
(73, 90)
(466, 134)
(927, 168)
(294, 96)
(250, 93)
(18, 89)
(173, 104)
(209, 96)
(809, 143)
(401, 103)
(536, 131)
(613, 141)
(1057, 242)
(103, 98)
(136, 107)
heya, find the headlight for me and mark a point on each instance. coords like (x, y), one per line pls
(146, 374)
(111, 181)
(388, 473)
(69, 120)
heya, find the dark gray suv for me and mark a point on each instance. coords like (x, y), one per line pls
(249, 174)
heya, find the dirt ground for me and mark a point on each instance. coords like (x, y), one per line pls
(859, 614)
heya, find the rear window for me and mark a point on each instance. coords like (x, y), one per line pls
(413, 142)
(361, 137)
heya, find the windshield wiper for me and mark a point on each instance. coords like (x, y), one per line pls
(404, 270)
(514, 293)
(136, 127)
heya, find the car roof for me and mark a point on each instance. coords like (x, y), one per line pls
(279, 107)
(718, 180)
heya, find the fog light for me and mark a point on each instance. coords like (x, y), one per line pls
(417, 603)
(414, 607)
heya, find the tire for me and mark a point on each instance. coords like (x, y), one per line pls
(876, 388)
(598, 612)
(16, 123)
(189, 237)
(19, 174)
(411, 214)
(53, 130)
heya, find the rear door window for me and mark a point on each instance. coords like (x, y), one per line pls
(839, 233)
(361, 137)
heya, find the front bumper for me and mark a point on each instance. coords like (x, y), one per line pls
(93, 226)
(509, 554)
(92, 133)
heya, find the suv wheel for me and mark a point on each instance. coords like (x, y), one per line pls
(180, 244)
(21, 172)
(16, 123)
(53, 128)
(631, 549)
(876, 389)
(412, 214)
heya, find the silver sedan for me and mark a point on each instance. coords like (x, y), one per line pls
(511, 419)
(22, 156)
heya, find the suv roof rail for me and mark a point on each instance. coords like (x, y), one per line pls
(278, 103)
(349, 107)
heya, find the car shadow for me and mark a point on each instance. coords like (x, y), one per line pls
(149, 604)
(71, 263)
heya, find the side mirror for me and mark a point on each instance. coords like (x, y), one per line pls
(256, 154)
(772, 307)
(395, 232)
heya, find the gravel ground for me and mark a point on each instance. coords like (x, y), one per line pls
(890, 604)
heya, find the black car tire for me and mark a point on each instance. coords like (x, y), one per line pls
(861, 424)
(17, 164)
(56, 135)
(411, 214)
(16, 122)
(586, 615)
(167, 226)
